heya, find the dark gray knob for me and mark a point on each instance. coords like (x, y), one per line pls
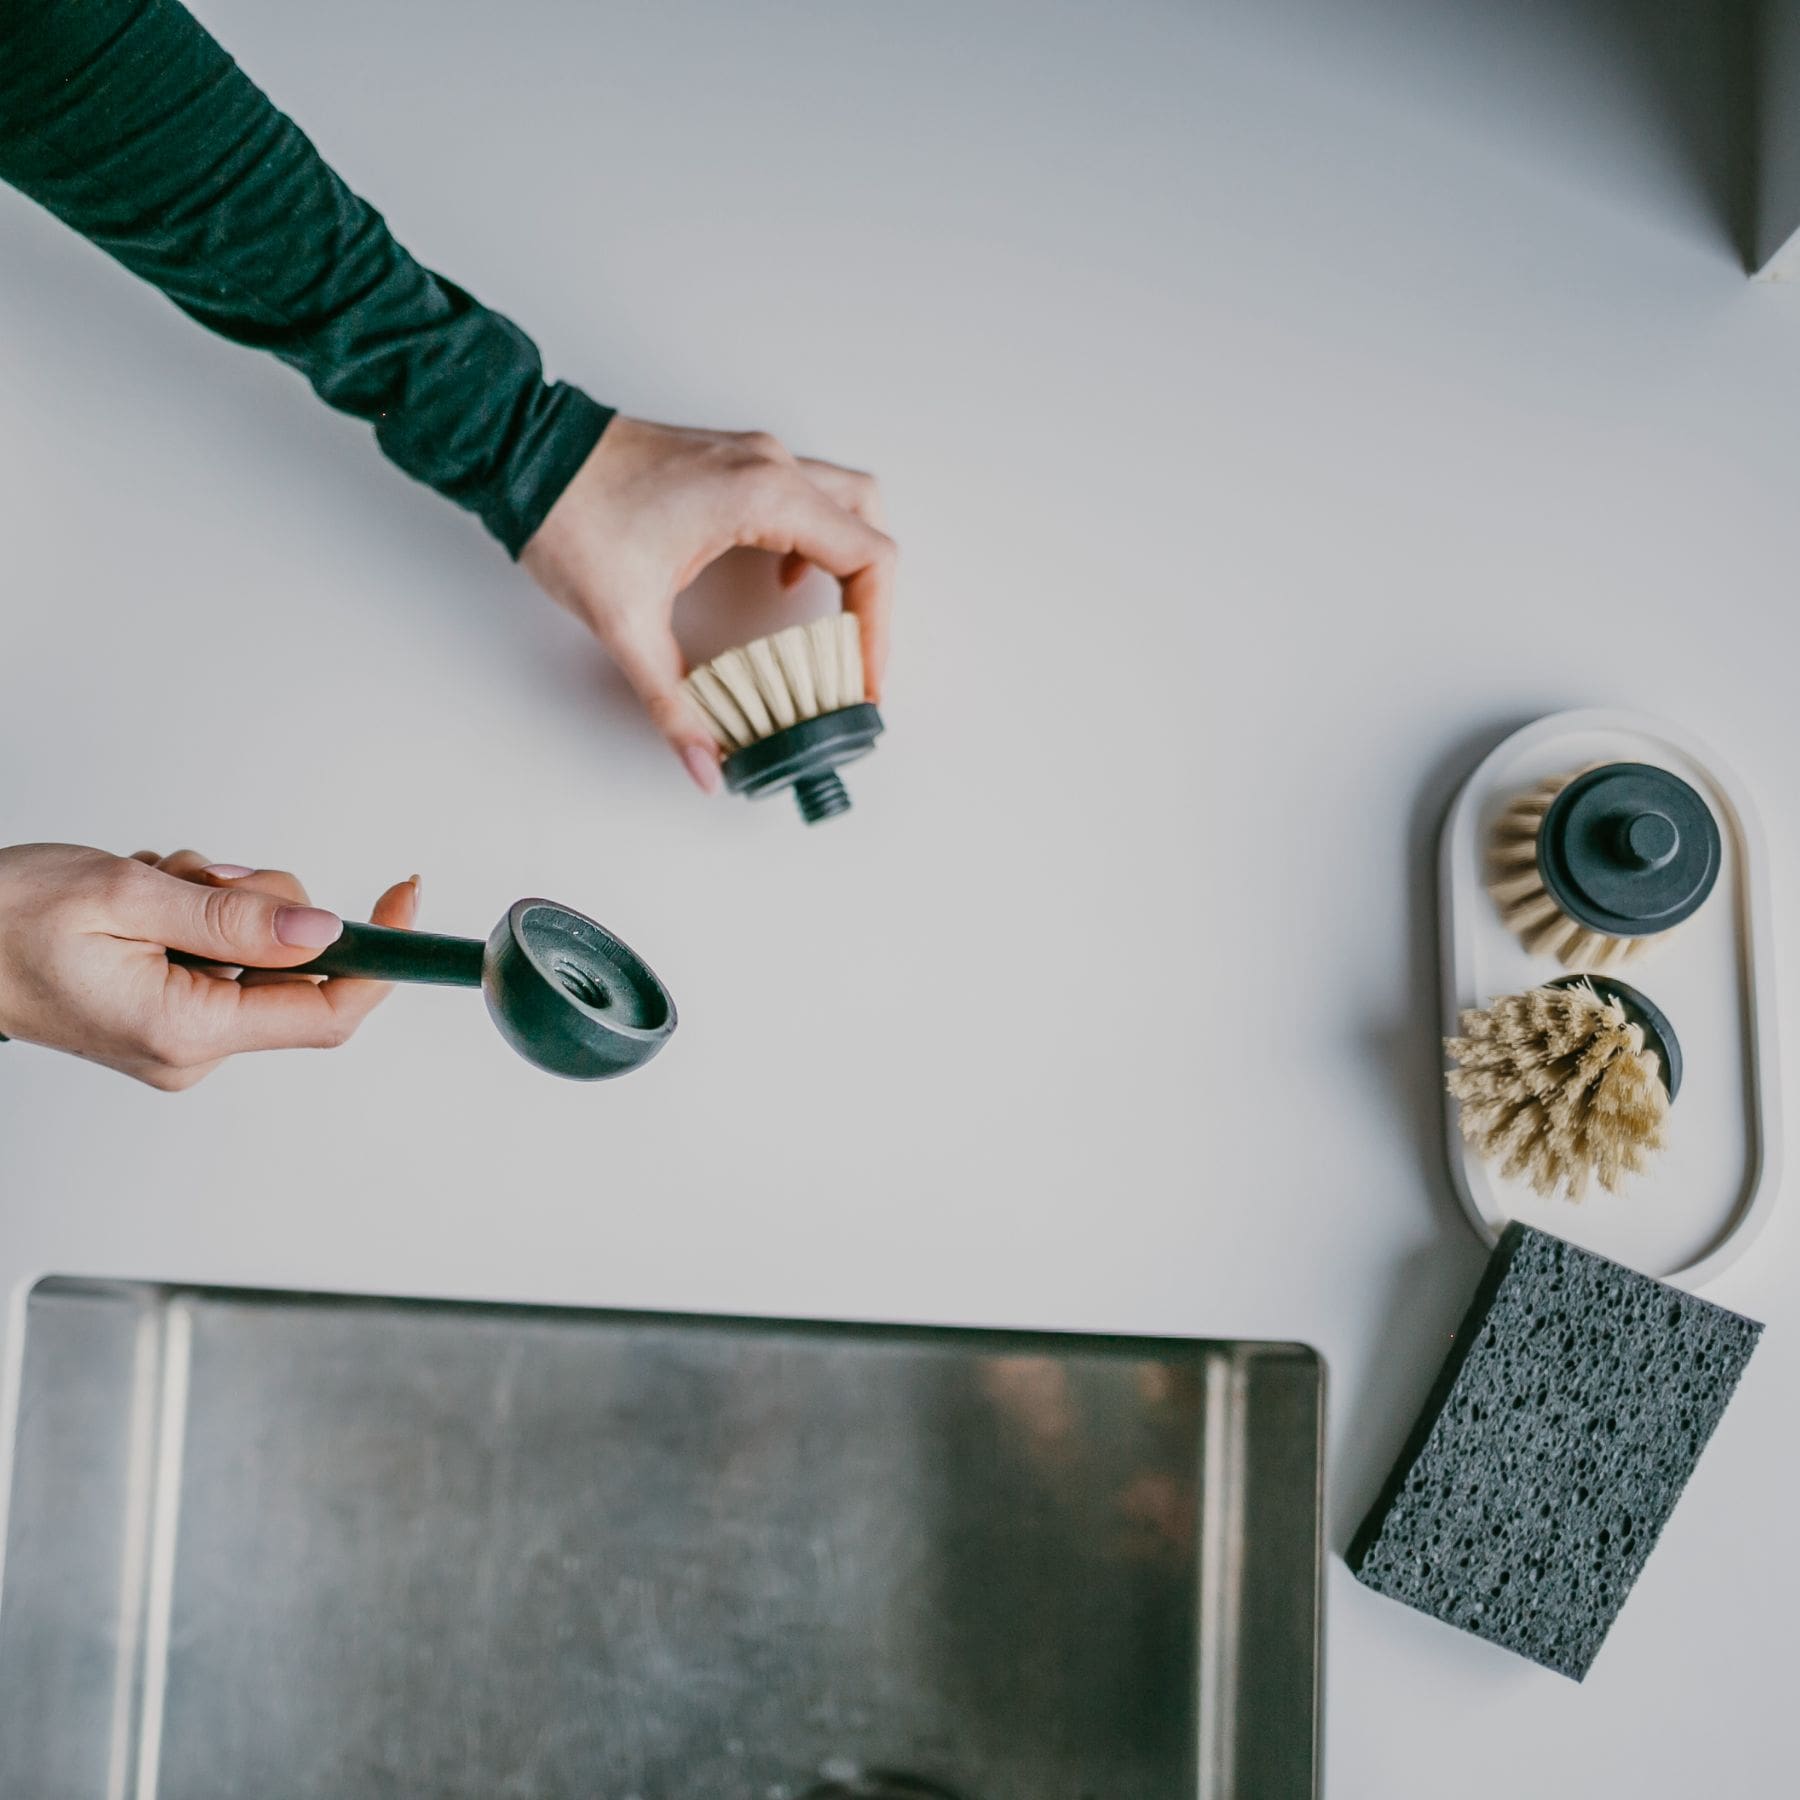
(1650, 840)
(1629, 849)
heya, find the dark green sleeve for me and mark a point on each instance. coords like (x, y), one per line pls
(129, 122)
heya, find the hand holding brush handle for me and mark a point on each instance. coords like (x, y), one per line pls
(571, 997)
(86, 963)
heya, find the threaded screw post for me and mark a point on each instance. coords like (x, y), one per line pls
(821, 796)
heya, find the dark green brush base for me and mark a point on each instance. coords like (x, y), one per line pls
(806, 758)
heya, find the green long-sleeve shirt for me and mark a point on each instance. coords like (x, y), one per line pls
(128, 121)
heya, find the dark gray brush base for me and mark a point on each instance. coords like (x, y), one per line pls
(1552, 1450)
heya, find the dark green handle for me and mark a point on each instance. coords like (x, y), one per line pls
(383, 954)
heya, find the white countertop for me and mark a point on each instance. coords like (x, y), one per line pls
(1275, 406)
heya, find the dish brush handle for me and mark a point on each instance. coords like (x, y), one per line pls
(384, 954)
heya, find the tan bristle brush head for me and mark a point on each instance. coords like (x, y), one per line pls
(1527, 906)
(800, 673)
(1558, 1086)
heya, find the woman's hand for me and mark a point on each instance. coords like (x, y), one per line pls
(83, 967)
(654, 504)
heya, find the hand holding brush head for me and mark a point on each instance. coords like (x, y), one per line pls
(789, 711)
(1566, 1083)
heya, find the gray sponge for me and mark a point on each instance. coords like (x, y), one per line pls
(1554, 1446)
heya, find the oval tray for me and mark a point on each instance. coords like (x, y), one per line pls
(1704, 1197)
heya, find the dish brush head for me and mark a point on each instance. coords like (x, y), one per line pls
(1567, 1083)
(1593, 868)
(789, 711)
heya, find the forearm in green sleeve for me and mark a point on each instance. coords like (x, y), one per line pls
(127, 120)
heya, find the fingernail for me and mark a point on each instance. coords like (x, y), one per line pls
(307, 927)
(227, 871)
(703, 765)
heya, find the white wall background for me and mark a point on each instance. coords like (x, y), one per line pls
(1276, 403)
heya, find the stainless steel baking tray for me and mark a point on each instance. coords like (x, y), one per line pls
(309, 1547)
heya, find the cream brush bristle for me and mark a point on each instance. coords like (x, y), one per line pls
(1527, 906)
(1559, 1087)
(801, 673)
(789, 711)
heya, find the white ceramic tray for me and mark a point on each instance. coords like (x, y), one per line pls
(1696, 1209)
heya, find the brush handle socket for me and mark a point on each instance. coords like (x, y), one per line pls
(571, 997)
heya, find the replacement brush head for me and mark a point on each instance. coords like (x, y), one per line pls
(1592, 868)
(789, 711)
(1567, 1083)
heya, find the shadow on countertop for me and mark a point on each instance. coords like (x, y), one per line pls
(1432, 1283)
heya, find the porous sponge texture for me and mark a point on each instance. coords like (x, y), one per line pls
(1559, 1436)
